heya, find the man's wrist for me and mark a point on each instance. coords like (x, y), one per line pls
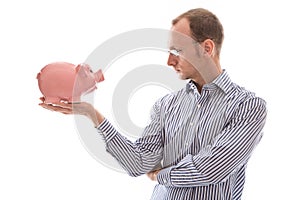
(100, 118)
(164, 176)
(96, 117)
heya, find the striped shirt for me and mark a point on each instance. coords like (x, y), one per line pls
(202, 141)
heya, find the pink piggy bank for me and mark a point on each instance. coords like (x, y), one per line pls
(62, 81)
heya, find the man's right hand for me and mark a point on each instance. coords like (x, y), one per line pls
(79, 108)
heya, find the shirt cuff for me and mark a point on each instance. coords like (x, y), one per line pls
(164, 177)
(106, 130)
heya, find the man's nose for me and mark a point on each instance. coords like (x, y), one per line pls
(172, 60)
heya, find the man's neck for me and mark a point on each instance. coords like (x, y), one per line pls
(209, 77)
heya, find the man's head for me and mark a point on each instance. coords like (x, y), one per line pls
(203, 25)
(195, 45)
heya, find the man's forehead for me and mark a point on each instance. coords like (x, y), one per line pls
(180, 34)
(182, 26)
(178, 39)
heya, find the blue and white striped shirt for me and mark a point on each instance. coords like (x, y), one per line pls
(202, 141)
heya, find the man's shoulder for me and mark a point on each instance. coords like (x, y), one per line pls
(240, 94)
(172, 98)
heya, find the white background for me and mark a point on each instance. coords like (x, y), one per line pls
(41, 154)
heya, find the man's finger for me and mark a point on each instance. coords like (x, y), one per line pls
(50, 107)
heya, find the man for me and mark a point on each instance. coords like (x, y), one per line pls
(201, 137)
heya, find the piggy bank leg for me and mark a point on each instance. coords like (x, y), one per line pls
(52, 100)
(74, 99)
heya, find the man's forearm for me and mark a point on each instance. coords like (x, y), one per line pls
(96, 117)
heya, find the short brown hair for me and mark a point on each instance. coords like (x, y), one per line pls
(204, 25)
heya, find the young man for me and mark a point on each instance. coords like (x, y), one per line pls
(200, 138)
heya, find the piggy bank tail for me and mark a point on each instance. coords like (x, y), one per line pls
(38, 75)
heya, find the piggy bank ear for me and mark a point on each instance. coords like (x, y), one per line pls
(80, 70)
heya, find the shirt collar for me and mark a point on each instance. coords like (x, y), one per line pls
(222, 82)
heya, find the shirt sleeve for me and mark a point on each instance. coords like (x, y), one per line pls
(230, 150)
(137, 157)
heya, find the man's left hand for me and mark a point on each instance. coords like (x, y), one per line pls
(153, 175)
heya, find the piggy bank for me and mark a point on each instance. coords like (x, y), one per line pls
(62, 81)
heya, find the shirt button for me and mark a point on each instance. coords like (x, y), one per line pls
(104, 133)
(198, 105)
(191, 124)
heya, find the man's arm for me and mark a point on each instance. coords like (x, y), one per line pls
(136, 158)
(230, 150)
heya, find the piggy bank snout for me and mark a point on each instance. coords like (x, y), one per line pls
(99, 76)
(85, 72)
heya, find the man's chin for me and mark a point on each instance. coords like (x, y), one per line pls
(182, 77)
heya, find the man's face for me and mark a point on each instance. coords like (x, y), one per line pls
(183, 51)
(191, 59)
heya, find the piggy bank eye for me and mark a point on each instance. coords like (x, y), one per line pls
(91, 70)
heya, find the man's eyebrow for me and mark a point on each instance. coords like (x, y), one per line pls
(174, 47)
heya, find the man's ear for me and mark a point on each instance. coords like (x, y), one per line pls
(80, 70)
(209, 47)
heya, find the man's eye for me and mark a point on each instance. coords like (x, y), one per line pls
(175, 52)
